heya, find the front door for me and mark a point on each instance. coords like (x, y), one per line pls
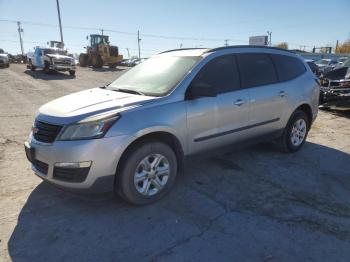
(216, 121)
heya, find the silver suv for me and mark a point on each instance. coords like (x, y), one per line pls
(133, 135)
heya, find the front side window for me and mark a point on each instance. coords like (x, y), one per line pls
(155, 76)
(289, 67)
(221, 73)
(256, 70)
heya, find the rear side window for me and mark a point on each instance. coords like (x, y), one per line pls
(288, 67)
(221, 73)
(256, 70)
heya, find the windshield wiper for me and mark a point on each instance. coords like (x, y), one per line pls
(130, 91)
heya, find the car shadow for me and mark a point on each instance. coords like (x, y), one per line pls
(55, 75)
(54, 225)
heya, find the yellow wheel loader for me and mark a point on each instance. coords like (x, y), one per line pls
(100, 53)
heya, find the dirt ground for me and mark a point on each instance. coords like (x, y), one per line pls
(256, 204)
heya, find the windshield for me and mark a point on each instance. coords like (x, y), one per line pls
(347, 63)
(55, 52)
(155, 76)
(322, 62)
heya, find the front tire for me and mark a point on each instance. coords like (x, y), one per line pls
(83, 60)
(72, 72)
(31, 66)
(97, 61)
(296, 131)
(147, 173)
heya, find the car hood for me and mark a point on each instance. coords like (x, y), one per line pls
(57, 56)
(77, 106)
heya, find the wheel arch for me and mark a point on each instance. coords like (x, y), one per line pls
(306, 108)
(159, 136)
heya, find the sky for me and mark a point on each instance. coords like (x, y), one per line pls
(165, 25)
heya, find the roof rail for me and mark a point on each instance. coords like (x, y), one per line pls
(181, 49)
(247, 46)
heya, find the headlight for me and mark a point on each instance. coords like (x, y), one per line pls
(87, 129)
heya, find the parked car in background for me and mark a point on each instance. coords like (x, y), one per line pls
(4, 59)
(133, 135)
(314, 68)
(133, 62)
(51, 59)
(123, 62)
(140, 61)
(325, 65)
(335, 89)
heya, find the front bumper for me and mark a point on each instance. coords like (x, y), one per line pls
(103, 153)
(62, 67)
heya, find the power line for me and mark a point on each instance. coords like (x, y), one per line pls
(169, 37)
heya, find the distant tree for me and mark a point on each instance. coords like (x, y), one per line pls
(343, 48)
(283, 45)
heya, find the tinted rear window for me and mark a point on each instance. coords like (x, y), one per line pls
(288, 67)
(256, 70)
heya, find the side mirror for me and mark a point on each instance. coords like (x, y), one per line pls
(200, 89)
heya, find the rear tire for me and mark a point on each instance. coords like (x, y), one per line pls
(140, 180)
(47, 68)
(295, 133)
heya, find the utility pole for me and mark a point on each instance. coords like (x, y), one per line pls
(138, 42)
(270, 42)
(59, 21)
(127, 49)
(181, 46)
(20, 30)
(226, 42)
(101, 31)
(336, 46)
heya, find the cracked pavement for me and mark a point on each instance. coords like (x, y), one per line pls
(253, 204)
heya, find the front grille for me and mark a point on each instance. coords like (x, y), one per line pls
(45, 132)
(75, 175)
(41, 166)
(62, 62)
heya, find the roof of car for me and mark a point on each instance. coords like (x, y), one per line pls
(201, 51)
(186, 51)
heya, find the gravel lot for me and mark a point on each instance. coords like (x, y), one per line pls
(255, 204)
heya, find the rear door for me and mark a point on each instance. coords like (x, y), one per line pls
(267, 96)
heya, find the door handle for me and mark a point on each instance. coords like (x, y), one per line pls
(282, 94)
(239, 102)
